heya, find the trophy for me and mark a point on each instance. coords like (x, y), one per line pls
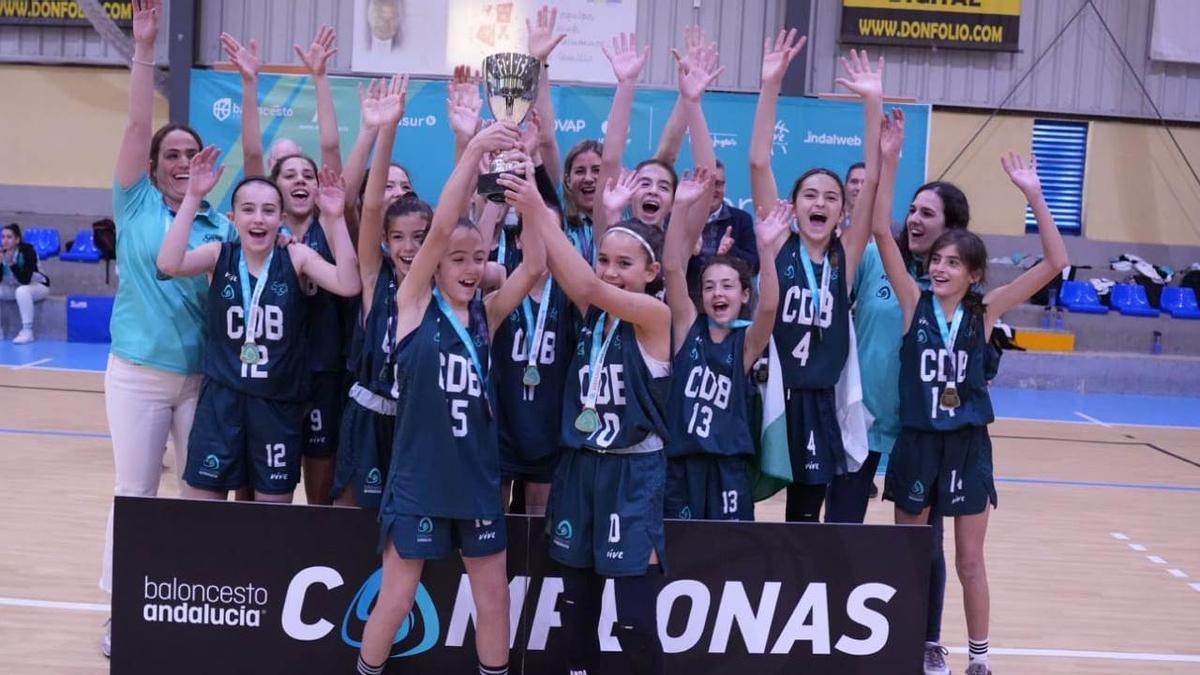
(510, 81)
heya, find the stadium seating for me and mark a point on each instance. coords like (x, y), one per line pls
(1180, 302)
(44, 240)
(83, 250)
(1130, 300)
(1080, 296)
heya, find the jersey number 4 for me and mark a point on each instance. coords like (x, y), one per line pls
(801, 351)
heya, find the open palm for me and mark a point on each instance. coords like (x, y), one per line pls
(1023, 175)
(331, 192)
(778, 54)
(773, 226)
(316, 57)
(860, 78)
(619, 192)
(542, 39)
(146, 15)
(626, 59)
(244, 57)
(204, 172)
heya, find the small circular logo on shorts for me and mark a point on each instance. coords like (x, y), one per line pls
(686, 513)
(374, 477)
(918, 489)
(564, 530)
(212, 463)
(424, 526)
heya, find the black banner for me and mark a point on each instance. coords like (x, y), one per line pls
(60, 12)
(208, 587)
(990, 25)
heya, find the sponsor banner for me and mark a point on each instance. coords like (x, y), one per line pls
(809, 132)
(430, 38)
(200, 586)
(990, 25)
(60, 12)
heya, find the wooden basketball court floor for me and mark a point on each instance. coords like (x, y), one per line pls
(1093, 555)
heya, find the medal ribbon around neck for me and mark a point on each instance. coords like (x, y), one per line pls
(728, 325)
(251, 300)
(818, 293)
(463, 336)
(533, 332)
(588, 420)
(949, 335)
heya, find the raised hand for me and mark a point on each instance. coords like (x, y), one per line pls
(388, 109)
(316, 58)
(497, 137)
(618, 192)
(464, 103)
(891, 137)
(542, 39)
(627, 61)
(773, 226)
(373, 92)
(778, 55)
(146, 14)
(860, 78)
(531, 134)
(697, 70)
(1024, 176)
(692, 186)
(245, 58)
(331, 192)
(520, 188)
(726, 241)
(204, 172)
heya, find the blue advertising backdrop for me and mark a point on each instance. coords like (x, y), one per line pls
(810, 132)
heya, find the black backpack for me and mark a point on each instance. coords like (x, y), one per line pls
(104, 233)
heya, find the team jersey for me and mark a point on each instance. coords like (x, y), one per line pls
(278, 323)
(324, 311)
(926, 366)
(630, 400)
(374, 365)
(529, 416)
(709, 395)
(445, 461)
(812, 350)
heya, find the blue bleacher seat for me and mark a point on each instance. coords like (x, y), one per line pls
(1180, 302)
(44, 240)
(83, 250)
(1130, 300)
(1080, 296)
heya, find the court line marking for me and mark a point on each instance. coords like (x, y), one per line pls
(1156, 560)
(1087, 654)
(1131, 437)
(1120, 536)
(1093, 420)
(1178, 574)
(33, 364)
(1056, 420)
(54, 604)
(1085, 483)
(1195, 587)
(44, 432)
(1137, 547)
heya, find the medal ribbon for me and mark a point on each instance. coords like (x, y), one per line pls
(250, 300)
(533, 332)
(597, 354)
(817, 292)
(729, 325)
(949, 335)
(463, 335)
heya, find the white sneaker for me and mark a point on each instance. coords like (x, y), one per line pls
(24, 337)
(935, 659)
(106, 641)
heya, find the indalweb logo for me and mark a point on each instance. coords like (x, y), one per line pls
(203, 604)
(832, 139)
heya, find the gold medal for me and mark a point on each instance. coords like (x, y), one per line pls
(250, 354)
(532, 377)
(950, 397)
(588, 421)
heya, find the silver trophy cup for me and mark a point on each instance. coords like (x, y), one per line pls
(510, 81)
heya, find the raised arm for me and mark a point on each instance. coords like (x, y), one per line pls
(463, 106)
(1054, 249)
(616, 195)
(174, 258)
(316, 59)
(686, 223)
(671, 140)
(341, 278)
(627, 62)
(868, 84)
(890, 142)
(132, 162)
(697, 73)
(771, 231)
(360, 153)
(542, 41)
(777, 56)
(415, 288)
(382, 113)
(245, 59)
(521, 193)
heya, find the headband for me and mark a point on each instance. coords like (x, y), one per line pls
(641, 240)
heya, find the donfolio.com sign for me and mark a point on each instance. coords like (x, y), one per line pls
(992, 25)
(212, 587)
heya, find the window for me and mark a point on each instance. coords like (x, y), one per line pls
(1061, 150)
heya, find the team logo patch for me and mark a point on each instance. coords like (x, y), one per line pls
(279, 288)
(375, 478)
(227, 292)
(884, 293)
(212, 463)
(564, 530)
(790, 272)
(685, 513)
(694, 354)
(922, 337)
(212, 237)
(424, 531)
(918, 489)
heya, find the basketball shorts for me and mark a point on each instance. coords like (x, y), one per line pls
(431, 538)
(365, 454)
(709, 487)
(814, 437)
(326, 400)
(950, 470)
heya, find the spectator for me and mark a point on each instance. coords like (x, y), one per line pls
(729, 231)
(22, 280)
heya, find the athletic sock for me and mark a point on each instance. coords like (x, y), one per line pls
(365, 669)
(978, 650)
(637, 623)
(493, 670)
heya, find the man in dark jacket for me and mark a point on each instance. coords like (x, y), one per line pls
(729, 231)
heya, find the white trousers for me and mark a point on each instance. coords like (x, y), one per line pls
(25, 295)
(145, 405)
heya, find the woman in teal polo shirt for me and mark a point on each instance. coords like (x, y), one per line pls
(153, 378)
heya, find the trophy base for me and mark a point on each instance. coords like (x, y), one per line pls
(490, 188)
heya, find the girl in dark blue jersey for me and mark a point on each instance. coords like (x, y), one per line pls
(370, 415)
(708, 470)
(815, 268)
(943, 456)
(443, 489)
(249, 419)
